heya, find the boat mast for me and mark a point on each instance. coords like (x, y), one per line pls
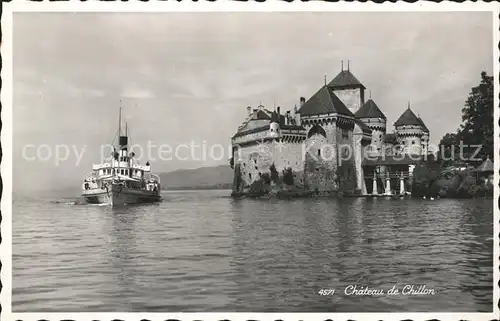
(120, 120)
(122, 140)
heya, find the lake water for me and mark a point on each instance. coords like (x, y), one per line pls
(203, 251)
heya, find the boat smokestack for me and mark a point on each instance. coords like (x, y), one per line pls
(123, 141)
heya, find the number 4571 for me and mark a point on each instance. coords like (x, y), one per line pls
(326, 291)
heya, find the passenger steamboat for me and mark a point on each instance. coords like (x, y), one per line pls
(121, 180)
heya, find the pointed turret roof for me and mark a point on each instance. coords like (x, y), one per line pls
(423, 125)
(370, 110)
(486, 166)
(345, 79)
(324, 101)
(407, 118)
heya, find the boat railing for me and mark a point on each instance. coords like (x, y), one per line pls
(156, 177)
(141, 167)
(89, 175)
(100, 166)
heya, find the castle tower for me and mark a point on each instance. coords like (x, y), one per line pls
(349, 89)
(409, 132)
(374, 119)
(425, 137)
(274, 126)
(329, 124)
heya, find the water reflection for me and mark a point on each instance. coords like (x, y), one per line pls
(479, 265)
(122, 246)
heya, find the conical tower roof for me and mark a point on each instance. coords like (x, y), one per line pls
(423, 125)
(370, 110)
(324, 101)
(408, 118)
(345, 79)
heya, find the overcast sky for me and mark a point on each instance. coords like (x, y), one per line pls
(190, 76)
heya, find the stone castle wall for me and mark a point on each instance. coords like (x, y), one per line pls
(319, 170)
(377, 140)
(321, 160)
(360, 150)
(410, 139)
(346, 170)
(254, 161)
(352, 98)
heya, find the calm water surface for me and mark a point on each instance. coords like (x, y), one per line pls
(203, 251)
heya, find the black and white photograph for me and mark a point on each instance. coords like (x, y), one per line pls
(289, 158)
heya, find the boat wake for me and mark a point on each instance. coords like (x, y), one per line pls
(70, 202)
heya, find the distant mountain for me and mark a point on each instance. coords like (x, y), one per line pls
(218, 177)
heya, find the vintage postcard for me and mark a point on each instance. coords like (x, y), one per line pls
(249, 161)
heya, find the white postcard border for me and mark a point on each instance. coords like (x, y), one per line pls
(219, 6)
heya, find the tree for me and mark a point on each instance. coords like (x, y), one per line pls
(274, 174)
(477, 116)
(425, 175)
(448, 148)
(477, 126)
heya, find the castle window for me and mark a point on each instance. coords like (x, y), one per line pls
(345, 133)
(319, 152)
(413, 142)
(250, 175)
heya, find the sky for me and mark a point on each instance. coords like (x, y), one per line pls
(188, 77)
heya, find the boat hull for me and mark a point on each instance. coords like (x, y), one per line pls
(119, 195)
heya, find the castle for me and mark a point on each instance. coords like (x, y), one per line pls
(334, 141)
